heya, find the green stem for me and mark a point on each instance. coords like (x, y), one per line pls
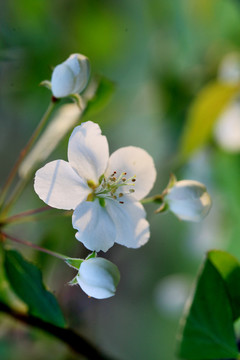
(36, 247)
(22, 182)
(153, 199)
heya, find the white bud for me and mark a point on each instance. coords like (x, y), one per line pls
(70, 77)
(98, 278)
(188, 200)
(229, 68)
(227, 128)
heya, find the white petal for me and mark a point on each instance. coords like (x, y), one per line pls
(96, 229)
(59, 186)
(134, 161)
(81, 67)
(88, 151)
(132, 228)
(63, 81)
(98, 278)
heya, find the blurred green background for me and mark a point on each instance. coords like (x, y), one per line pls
(159, 54)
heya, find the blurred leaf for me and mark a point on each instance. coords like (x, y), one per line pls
(206, 108)
(229, 269)
(207, 331)
(7, 296)
(26, 280)
(63, 121)
(101, 97)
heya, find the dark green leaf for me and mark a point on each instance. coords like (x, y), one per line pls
(205, 110)
(26, 281)
(207, 326)
(229, 268)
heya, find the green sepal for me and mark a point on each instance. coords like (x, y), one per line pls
(78, 100)
(162, 208)
(73, 281)
(74, 263)
(92, 255)
(47, 84)
(172, 181)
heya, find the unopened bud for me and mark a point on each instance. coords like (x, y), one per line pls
(188, 200)
(70, 77)
(98, 278)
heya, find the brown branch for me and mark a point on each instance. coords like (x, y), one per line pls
(75, 341)
(25, 214)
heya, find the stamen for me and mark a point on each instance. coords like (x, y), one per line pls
(109, 187)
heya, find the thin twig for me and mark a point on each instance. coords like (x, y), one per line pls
(22, 155)
(76, 342)
(36, 247)
(25, 214)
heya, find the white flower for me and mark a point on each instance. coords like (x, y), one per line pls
(229, 68)
(98, 278)
(188, 200)
(71, 76)
(103, 191)
(227, 128)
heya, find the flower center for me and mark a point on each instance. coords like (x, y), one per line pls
(113, 187)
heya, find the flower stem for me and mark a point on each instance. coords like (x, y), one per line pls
(25, 214)
(152, 199)
(76, 342)
(36, 247)
(22, 155)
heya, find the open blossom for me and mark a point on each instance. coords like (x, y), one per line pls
(103, 191)
(71, 76)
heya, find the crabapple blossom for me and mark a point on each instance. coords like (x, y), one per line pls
(104, 191)
(188, 200)
(71, 76)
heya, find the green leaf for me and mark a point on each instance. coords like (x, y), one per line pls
(101, 97)
(26, 281)
(205, 110)
(207, 326)
(229, 268)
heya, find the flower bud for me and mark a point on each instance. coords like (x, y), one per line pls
(71, 76)
(227, 128)
(98, 278)
(188, 200)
